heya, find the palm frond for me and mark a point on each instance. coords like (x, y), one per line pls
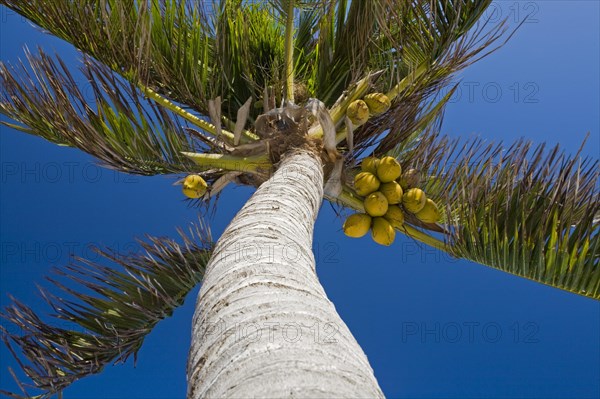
(249, 52)
(348, 43)
(416, 46)
(167, 45)
(450, 50)
(124, 131)
(527, 211)
(110, 324)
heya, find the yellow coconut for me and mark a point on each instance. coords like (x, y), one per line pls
(409, 179)
(357, 112)
(365, 183)
(430, 212)
(378, 103)
(369, 164)
(392, 192)
(382, 232)
(395, 216)
(357, 225)
(194, 186)
(388, 169)
(376, 204)
(414, 200)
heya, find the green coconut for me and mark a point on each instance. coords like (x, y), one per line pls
(365, 183)
(395, 216)
(357, 225)
(392, 192)
(382, 232)
(358, 112)
(409, 179)
(388, 169)
(376, 204)
(414, 200)
(369, 164)
(194, 186)
(378, 103)
(430, 212)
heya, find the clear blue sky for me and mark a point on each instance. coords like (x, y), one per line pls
(432, 327)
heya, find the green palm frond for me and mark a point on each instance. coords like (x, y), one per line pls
(527, 211)
(180, 50)
(418, 92)
(186, 51)
(166, 45)
(124, 131)
(416, 46)
(249, 53)
(110, 324)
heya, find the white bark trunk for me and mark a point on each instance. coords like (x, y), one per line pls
(263, 326)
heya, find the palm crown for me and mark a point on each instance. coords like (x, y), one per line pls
(228, 72)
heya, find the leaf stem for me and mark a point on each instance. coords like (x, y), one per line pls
(408, 79)
(289, 53)
(193, 119)
(252, 164)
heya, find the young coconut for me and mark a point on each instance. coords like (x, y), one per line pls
(392, 192)
(378, 103)
(414, 200)
(365, 183)
(409, 179)
(382, 232)
(395, 216)
(369, 164)
(358, 112)
(388, 169)
(357, 225)
(376, 204)
(194, 186)
(430, 212)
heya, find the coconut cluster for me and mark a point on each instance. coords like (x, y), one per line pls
(359, 111)
(387, 194)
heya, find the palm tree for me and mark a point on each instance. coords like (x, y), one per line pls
(292, 68)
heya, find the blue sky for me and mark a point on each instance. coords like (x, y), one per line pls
(432, 326)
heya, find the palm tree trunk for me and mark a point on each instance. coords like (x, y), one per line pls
(263, 325)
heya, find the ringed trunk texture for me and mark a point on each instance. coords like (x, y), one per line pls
(263, 326)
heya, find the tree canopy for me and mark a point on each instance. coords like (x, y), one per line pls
(169, 79)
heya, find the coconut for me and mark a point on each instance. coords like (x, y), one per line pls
(191, 193)
(392, 192)
(365, 183)
(357, 225)
(194, 186)
(388, 169)
(378, 103)
(414, 200)
(369, 164)
(357, 112)
(430, 212)
(409, 179)
(376, 204)
(395, 216)
(382, 232)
